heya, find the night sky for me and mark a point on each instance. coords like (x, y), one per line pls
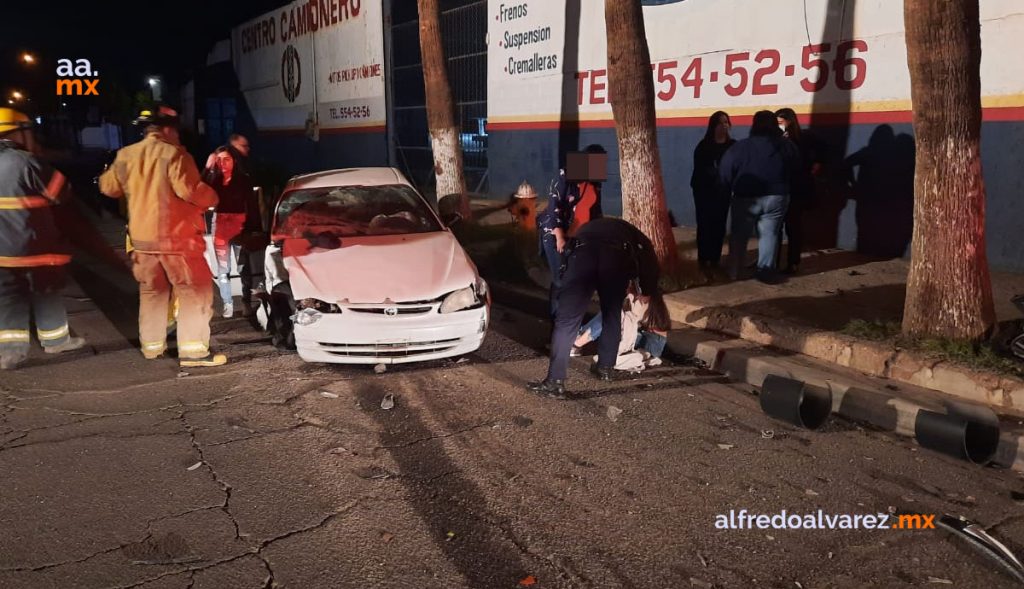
(125, 41)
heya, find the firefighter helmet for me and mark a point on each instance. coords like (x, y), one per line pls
(162, 115)
(13, 120)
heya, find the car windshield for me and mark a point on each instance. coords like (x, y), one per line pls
(350, 211)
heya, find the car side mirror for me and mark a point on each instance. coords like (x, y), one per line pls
(451, 219)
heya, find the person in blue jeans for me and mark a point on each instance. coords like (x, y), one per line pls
(758, 172)
(651, 333)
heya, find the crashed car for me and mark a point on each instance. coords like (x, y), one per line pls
(372, 273)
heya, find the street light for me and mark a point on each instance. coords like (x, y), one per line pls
(28, 58)
(17, 95)
(154, 86)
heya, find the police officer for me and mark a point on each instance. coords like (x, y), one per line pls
(605, 256)
(32, 255)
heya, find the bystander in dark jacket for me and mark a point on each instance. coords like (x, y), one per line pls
(758, 173)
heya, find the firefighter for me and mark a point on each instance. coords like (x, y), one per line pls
(605, 256)
(166, 205)
(32, 256)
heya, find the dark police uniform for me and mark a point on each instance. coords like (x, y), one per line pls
(563, 198)
(605, 256)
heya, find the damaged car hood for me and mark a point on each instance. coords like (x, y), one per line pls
(395, 268)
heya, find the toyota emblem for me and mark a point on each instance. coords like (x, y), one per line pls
(391, 311)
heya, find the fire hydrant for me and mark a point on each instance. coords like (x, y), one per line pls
(523, 207)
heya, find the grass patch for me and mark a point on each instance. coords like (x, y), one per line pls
(980, 356)
(872, 330)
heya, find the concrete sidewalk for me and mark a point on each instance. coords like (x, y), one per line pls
(807, 314)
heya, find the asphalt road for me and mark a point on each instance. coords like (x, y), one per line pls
(115, 472)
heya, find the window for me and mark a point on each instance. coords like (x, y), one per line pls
(350, 211)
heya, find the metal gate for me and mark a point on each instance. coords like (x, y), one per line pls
(464, 34)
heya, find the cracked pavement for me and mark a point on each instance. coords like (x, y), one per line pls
(117, 472)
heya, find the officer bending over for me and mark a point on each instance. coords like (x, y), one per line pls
(605, 256)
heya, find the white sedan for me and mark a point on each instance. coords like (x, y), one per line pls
(375, 275)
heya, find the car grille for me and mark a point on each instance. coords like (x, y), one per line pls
(390, 350)
(386, 310)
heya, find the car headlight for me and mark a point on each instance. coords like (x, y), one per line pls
(306, 317)
(470, 297)
(318, 305)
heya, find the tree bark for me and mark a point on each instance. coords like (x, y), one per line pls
(949, 289)
(631, 92)
(444, 130)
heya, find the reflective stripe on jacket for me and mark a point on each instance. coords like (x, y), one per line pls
(166, 197)
(28, 190)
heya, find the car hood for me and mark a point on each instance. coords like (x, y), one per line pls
(377, 269)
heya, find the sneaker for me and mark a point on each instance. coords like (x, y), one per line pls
(652, 362)
(73, 343)
(12, 360)
(207, 361)
(229, 311)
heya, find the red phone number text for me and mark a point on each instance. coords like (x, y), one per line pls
(350, 112)
(845, 68)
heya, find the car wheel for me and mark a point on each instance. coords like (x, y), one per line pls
(282, 307)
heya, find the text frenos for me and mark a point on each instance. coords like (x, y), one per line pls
(527, 46)
(507, 13)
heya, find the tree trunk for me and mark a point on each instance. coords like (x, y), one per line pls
(444, 132)
(949, 289)
(631, 91)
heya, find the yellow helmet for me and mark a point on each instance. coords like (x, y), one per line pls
(12, 120)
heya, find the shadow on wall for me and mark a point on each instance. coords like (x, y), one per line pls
(569, 127)
(882, 177)
(830, 123)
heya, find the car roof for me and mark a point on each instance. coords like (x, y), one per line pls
(348, 177)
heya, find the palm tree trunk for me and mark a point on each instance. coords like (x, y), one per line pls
(444, 131)
(949, 289)
(631, 91)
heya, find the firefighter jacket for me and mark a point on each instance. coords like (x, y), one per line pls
(166, 197)
(28, 191)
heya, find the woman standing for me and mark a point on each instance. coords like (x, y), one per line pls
(711, 205)
(571, 204)
(802, 194)
(237, 212)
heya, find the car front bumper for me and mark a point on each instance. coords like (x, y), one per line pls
(367, 335)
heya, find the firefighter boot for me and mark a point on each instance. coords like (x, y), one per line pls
(12, 360)
(209, 360)
(73, 343)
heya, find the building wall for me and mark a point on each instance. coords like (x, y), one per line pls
(873, 218)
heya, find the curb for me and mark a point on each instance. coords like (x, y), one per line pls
(855, 396)
(1004, 394)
